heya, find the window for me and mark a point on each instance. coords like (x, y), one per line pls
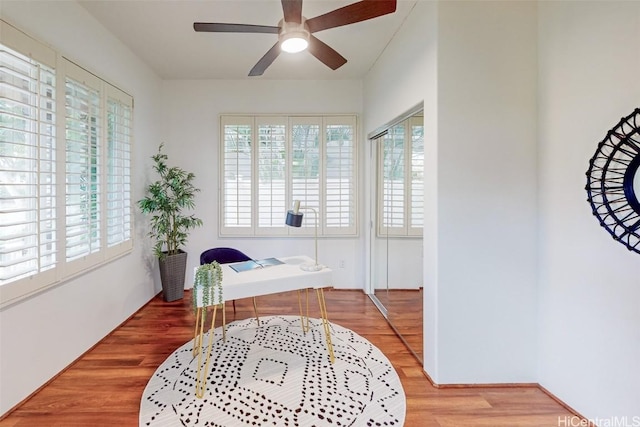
(416, 172)
(65, 173)
(272, 166)
(311, 159)
(27, 164)
(83, 164)
(400, 187)
(340, 163)
(237, 175)
(118, 170)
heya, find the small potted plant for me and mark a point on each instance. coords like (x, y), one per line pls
(207, 286)
(166, 200)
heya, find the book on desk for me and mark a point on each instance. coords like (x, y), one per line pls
(255, 263)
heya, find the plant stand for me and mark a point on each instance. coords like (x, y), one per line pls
(207, 292)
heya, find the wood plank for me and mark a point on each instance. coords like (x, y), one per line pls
(104, 387)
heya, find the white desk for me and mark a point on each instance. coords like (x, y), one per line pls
(273, 279)
(264, 281)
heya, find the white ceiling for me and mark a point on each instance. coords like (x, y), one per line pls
(161, 33)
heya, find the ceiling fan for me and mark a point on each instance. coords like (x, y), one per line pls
(295, 32)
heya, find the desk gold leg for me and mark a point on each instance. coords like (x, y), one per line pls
(325, 323)
(255, 309)
(304, 319)
(201, 374)
(224, 322)
(197, 338)
(200, 321)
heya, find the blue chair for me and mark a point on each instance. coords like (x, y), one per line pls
(222, 256)
(225, 256)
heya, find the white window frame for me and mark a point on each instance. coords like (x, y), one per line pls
(20, 42)
(308, 223)
(12, 290)
(81, 77)
(278, 228)
(309, 219)
(415, 211)
(124, 103)
(222, 193)
(407, 229)
(353, 209)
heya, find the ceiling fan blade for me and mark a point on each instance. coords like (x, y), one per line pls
(325, 53)
(292, 10)
(217, 27)
(265, 61)
(356, 12)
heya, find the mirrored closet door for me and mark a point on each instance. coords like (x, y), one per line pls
(397, 219)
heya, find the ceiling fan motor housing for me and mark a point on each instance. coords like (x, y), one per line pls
(293, 30)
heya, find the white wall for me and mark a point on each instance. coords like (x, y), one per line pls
(524, 93)
(405, 75)
(474, 64)
(486, 184)
(398, 80)
(190, 129)
(589, 283)
(42, 335)
(397, 263)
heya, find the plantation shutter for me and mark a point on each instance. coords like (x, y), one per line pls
(27, 164)
(392, 185)
(267, 162)
(271, 171)
(306, 170)
(237, 175)
(83, 163)
(118, 170)
(58, 216)
(416, 178)
(340, 175)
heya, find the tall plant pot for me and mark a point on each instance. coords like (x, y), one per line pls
(172, 273)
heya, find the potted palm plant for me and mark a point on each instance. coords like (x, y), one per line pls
(166, 200)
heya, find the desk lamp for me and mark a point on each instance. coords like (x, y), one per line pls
(294, 219)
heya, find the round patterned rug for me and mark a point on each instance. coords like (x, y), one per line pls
(274, 375)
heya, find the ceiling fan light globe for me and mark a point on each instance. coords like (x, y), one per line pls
(294, 44)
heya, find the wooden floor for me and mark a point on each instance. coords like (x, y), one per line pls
(103, 388)
(404, 312)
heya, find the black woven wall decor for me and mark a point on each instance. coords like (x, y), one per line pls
(610, 182)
